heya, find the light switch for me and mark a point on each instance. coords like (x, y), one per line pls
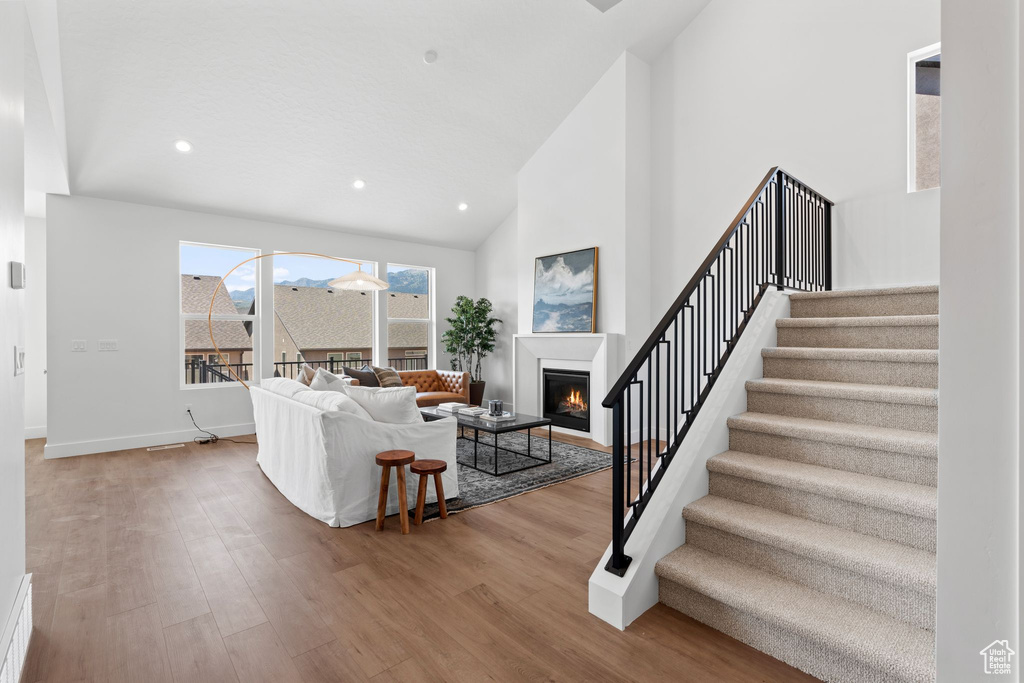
(107, 345)
(19, 360)
(79, 345)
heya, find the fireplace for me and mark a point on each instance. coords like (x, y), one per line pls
(566, 398)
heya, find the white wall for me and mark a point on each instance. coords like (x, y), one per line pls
(496, 261)
(35, 328)
(113, 274)
(979, 305)
(582, 189)
(12, 303)
(819, 88)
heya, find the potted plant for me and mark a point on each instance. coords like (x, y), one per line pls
(469, 340)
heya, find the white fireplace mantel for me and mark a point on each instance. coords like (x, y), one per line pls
(597, 353)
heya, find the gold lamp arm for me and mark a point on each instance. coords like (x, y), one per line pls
(213, 299)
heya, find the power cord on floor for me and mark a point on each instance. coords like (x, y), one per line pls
(211, 437)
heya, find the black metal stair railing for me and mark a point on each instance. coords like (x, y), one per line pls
(782, 237)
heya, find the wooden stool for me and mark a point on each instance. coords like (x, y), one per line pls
(398, 460)
(425, 468)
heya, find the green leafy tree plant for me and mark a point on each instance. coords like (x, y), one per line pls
(471, 336)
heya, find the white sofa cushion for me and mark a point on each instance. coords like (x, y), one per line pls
(283, 386)
(331, 400)
(325, 381)
(396, 405)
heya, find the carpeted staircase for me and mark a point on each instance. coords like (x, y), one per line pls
(816, 543)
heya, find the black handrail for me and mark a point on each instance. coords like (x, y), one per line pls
(782, 237)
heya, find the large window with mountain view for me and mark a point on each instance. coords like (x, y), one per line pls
(409, 316)
(315, 323)
(201, 267)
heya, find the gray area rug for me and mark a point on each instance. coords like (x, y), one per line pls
(478, 488)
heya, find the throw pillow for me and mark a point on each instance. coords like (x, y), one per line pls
(325, 381)
(306, 373)
(388, 377)
(392, 405)
(365, 376)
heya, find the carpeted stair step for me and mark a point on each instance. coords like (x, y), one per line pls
(826, 636)
(896, 454)
(866, 302)
(891, 578)
(891, 510)
(875, 332)
(891, 367)
(910, 408)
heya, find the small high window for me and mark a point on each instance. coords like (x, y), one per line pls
(924, 134)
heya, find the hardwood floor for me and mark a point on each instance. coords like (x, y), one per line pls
(188, 565)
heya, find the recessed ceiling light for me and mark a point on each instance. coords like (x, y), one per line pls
(463, 206)
(430, 56)
(359, 183)
(183, 146)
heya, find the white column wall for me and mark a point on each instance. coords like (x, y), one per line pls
(12, 302)
(979, 306)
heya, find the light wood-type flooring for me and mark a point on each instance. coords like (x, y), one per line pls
(188, 565)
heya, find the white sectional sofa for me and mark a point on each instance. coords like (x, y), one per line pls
(318, 449)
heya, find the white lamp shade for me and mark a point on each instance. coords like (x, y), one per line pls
(359, 281)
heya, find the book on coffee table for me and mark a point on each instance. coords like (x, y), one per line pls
(450, 407)
(505, 416)
(472, 411)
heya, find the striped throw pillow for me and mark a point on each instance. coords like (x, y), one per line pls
(388, 377)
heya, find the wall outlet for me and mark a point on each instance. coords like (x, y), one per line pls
(79, 345)
(188, 407)
(107, 345)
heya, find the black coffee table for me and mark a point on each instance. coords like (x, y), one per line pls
(521, 421)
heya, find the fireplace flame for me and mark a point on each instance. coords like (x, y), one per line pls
(574, 401)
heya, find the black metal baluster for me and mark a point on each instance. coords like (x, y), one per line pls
(657, 402)
(629, 441)
(650, 406)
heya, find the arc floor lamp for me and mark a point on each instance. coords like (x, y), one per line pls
(357, 281)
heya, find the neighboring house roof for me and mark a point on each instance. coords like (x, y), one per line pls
(196, 292)
(315, 318)
(325, 319)
(402, 305)
(407, 335)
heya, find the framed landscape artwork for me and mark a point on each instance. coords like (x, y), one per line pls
(565, 292)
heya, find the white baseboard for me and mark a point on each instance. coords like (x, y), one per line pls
(35, 432)
(125, 443)
(17, 633)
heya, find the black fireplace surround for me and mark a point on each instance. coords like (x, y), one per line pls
(566, 398)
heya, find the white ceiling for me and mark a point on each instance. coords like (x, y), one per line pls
(288, 102)
(44, 165)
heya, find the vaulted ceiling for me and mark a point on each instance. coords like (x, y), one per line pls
(287, 103)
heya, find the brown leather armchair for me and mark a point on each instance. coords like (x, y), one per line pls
(437, 386)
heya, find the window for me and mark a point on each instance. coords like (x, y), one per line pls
(201, 267)
(409, 316)
(924, 132)
(313, 321)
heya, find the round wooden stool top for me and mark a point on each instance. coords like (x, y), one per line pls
(399, 458)
(428, 467)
